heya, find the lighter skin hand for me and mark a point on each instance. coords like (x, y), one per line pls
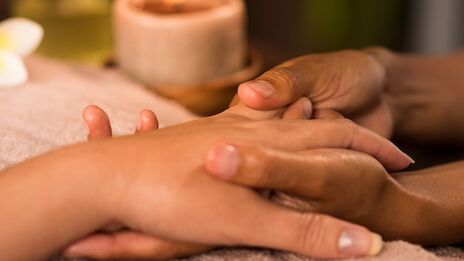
(119, 243)
(115, 241)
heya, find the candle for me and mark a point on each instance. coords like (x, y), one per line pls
(180, 42)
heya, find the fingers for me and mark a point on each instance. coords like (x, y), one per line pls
(327, 114)
(147, 121)
(231, 215)
(99, 125)
(339, 133)
(279, 86)
(311, 175)
(97, 122)
(322, 236)
(301, 109)
(131, 245)
(255, 221)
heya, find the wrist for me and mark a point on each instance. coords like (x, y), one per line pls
(101, 180)
(398, 214)
(49, 202)
(77, 174)
(390, 62)
(430, 219)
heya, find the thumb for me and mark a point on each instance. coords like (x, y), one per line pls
(277, 87)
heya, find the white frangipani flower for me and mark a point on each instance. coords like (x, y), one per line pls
(19, 37)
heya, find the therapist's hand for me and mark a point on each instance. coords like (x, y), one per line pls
(350, 82)
(417, 97)
(343, 183)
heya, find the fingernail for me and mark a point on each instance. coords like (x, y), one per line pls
(358, 242)
(409, 158)
(224, 161)
(308, 108)
(263, 88)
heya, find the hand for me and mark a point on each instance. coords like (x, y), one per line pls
(417, 97)
(423, 207)
(116, 242)
(329, 181)
(188, 193)
(350, 82)
(343, 183)
(137, 181)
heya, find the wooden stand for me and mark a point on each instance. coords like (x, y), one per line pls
(214, 96)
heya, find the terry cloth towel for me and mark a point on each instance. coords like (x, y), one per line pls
(45, 113)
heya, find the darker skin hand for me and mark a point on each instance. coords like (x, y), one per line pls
(424, 207)
(417, 98)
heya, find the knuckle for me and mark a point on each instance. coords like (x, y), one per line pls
(283, 77)
(312, 233)
(350, 129)
(257, 165)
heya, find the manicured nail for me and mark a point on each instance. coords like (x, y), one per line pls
(263, 88)
(358, 242)
(224, 161)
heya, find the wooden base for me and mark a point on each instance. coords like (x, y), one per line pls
(214, 96)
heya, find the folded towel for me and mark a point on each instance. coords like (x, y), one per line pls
(45, 113)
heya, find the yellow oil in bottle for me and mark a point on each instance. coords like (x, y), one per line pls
(76, 30)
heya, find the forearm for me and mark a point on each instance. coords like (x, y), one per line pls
(425, 94)
(434, 213)
(46, 203)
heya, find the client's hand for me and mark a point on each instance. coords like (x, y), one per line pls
(115, 241)
(244, 218)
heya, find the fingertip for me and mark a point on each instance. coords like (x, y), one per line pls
(401, 161)
(222, 160)
(147, 121)
(248, 96)
(90, 112)
(301, 109)
(97, 121)
(357, 242)
(258, 95)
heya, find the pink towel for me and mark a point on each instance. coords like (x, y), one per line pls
(45, 113)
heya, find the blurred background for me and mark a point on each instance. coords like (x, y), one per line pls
(80, 30)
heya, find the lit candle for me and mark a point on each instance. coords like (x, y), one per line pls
(180, 42)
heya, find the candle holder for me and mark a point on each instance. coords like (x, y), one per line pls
(213, 96)
(192, 51)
